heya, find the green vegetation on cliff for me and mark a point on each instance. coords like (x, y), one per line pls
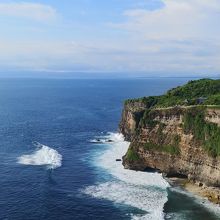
(159, 143)
(206, 133)
(132, 155)
(197, 92)
(171, 149)
(147, 119)
(197, 95)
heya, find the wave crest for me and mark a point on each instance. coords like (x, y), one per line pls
(44, 155)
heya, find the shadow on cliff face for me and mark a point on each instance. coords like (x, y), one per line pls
(151, 170)
(169, 175)
(177, 175)
(181, 206)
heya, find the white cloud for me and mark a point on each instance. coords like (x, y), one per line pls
(34, 11)
(184, 34)
(178, 19)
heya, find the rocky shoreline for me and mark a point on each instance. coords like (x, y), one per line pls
(212, 194)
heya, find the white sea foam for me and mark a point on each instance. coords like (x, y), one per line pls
(43, 155)
(148, 199)
(117, 151)
(141, 190)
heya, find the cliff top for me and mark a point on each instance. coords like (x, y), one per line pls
(196, 92)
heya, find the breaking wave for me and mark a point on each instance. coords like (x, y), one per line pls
(144, 191)
(43, 155)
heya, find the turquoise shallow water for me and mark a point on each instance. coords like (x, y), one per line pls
(65, 178)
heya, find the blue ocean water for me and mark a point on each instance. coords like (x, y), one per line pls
(49, 169)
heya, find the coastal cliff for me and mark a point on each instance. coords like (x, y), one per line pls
(180, 140)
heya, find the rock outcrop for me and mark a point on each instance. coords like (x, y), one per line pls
(177, 141)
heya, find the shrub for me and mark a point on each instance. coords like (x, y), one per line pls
(207, 133)
(187, 94)
(132, 155)
(171, 149)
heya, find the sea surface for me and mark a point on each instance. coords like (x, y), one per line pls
(52, 168)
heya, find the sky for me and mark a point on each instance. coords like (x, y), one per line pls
(133, 37)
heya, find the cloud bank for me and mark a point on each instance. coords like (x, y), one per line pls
(178, 37)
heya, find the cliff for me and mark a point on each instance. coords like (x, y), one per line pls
(177, 141)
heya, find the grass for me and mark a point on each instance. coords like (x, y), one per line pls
(172, 148)
(132, 155)
(187, 94)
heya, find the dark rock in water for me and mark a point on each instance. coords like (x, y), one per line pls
(109, 141)
(118, 160)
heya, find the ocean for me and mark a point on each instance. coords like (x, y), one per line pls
(51, 166)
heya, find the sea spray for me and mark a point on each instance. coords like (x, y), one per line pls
(43, 155)
(144, 191)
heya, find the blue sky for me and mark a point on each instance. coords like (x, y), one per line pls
(145, 37)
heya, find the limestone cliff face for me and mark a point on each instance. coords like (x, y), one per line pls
(159, 140)
(129, 120)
